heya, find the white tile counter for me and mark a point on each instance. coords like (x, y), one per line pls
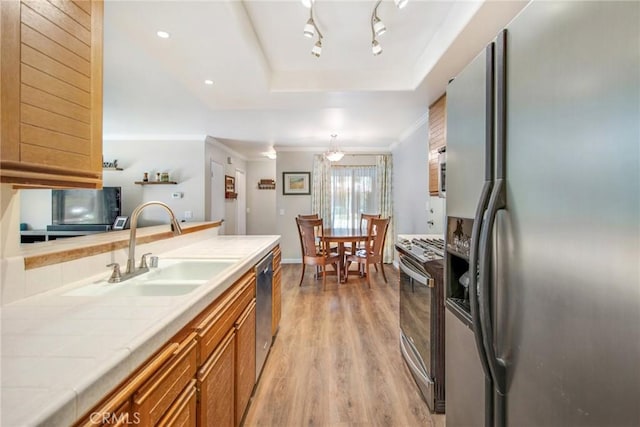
(62, 354)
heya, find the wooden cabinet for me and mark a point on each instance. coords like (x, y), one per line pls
(213, 357)
(216, 383)
(276, 292)
(437, 139)
(245, 359)
(183, 411)
(51, 85)
(153, 398)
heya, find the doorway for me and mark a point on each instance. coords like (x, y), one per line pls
(241, 206)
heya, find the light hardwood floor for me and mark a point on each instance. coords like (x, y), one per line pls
(336, 359)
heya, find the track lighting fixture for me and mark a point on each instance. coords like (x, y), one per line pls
(377, 27)
(310, 29)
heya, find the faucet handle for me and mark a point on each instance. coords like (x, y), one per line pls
(143, 260)
(115, 274)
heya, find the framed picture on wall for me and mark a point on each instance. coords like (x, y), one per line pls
(296, 183)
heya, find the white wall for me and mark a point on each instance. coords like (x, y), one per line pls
(35, 208)
(288, 207)
(183, 160)
(411, 182)
(261, 204)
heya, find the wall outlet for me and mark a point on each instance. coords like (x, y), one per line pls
(188, 214)
(281, 212)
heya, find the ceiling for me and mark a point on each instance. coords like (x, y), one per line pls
(268, 90)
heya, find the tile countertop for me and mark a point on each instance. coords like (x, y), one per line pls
(62, 354)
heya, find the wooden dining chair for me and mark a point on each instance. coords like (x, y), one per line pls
(365, 222)
(310, 231)
(310, 216)
(373, 251)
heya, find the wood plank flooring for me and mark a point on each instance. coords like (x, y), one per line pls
(336, 359)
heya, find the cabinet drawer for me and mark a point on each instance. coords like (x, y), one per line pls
(223, 315)
(153, 399)
(183, 412)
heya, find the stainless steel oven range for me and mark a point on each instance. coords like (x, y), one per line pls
(422, 315)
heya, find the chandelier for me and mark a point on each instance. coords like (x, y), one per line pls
(334, 154)
(377, 27)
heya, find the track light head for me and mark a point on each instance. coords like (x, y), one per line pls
(317, 49)
(309, 28)
(378, 26)
(376, 49)
(400, 3)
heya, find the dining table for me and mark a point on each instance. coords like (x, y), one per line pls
(342, 235)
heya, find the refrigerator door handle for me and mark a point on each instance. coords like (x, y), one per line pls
(496, 366)
(473, 276)
(478, 221)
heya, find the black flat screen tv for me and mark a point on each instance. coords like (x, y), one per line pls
(85, 207)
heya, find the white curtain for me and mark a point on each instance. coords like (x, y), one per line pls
(341, 193)
(353, 191)
(321, 189)
(384, 164)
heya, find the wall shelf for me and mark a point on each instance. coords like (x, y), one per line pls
(112, 169)
(155, 182)
(267, 184)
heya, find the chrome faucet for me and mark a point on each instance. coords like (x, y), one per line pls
(131, 270)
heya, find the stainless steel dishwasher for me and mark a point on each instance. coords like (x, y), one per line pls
(264, 277)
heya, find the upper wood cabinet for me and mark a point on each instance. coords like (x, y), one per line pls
(437, 139)
(51, 93)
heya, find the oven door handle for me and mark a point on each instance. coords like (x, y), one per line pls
(423, 280)
(403, 348)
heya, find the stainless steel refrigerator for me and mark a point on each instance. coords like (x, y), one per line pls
(543, 222)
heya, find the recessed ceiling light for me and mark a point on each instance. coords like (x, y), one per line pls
(163, 34)
(208, 82)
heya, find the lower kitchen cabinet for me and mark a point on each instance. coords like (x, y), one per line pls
(245, 359)
(204, 375)
(216, 383)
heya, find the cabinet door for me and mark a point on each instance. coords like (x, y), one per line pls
(153, 399)
(183, 412)
(245, 359)
(216, 382)
(51, 85)
(276, 300)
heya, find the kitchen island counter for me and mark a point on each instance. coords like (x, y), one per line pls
(62, 354)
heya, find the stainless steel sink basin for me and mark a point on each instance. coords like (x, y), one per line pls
(173, 277)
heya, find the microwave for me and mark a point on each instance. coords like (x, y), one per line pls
(442, 172)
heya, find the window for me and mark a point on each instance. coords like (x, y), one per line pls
(353, 191)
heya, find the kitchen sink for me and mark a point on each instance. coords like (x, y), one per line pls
(173, 277)
(188, 269)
